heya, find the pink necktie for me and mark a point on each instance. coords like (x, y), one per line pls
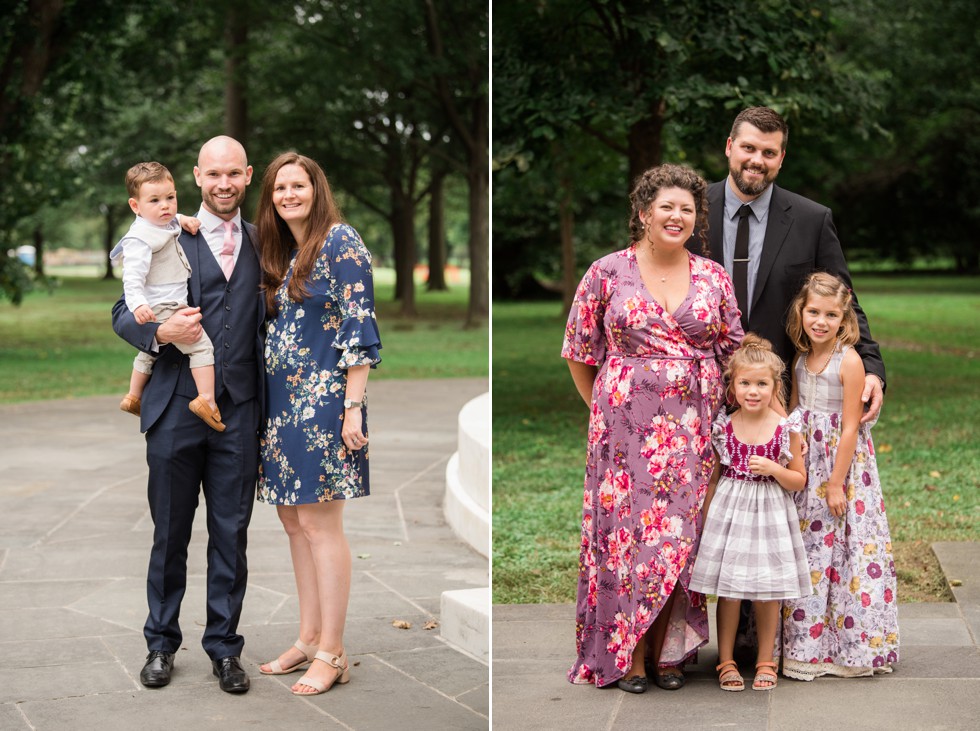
(228, 251)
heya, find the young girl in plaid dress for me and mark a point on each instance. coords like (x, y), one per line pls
(751, 546)
(848, 625)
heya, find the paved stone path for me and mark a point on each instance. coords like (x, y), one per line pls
(75, 535)
(936, 685)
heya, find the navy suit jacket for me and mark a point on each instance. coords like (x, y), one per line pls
(800, 239)
(171, 372)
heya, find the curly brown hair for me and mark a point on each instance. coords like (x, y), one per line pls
(649, 184)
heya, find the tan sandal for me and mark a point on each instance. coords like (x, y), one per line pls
(338, 663)
(762, 675)
(130, 404)
(729, 678)
(277, 669)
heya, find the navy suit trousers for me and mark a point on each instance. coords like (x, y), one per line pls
(184, 455)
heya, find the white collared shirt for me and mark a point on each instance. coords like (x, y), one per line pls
(213, 231)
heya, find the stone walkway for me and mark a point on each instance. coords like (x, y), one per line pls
(75, 535)
(936, 685)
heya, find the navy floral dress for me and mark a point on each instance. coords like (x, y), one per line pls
(309, 347)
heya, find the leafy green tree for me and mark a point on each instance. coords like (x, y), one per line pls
(915, 193)
(655, 80)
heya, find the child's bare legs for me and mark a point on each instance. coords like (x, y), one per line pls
(131, 401)
(204, 380)
(727, 619)
(204, 405)
(766, 624)
(137, 382)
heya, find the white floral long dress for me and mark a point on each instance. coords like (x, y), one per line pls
(657, 391)
(849, 626)
(309, 347)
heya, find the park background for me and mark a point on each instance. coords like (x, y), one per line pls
(884, 117)
(390, 98)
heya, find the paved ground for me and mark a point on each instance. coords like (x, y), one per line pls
(936, 685)
(74, 542)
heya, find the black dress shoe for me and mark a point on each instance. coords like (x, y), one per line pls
(636, 684)
(231, 675)
(156, 672)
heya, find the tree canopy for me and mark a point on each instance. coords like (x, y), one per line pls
(90, 88)
(588, 91)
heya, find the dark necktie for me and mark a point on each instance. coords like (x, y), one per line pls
(740, 264)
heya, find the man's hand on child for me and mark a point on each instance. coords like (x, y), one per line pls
(184, 326)
(190, 224)
(144, 314)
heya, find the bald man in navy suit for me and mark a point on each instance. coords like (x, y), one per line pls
(185, 456)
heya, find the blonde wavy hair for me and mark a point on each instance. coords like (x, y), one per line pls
(753, 352)
(821, 284)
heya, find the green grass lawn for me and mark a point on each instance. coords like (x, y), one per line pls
(62, 345)
(927, 436)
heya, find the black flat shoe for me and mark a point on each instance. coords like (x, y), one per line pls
(669, 681)
(156, 672)
(231, 675)
(636, 684)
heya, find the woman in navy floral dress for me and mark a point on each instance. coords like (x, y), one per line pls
(321, 341)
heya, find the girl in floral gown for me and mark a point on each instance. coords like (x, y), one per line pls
(849, 626)
(648, 334)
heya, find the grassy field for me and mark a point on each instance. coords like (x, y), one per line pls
(927, 436)
(62, 345)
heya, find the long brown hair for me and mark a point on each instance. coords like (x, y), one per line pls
(276, 242)
(822, 284)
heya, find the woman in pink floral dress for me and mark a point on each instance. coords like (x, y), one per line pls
(647, 338)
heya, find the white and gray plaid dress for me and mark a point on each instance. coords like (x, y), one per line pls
(751, 546)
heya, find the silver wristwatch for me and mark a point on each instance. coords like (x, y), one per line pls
(348, 404)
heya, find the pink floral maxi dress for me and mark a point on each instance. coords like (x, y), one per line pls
(849, 626)
(658, 388)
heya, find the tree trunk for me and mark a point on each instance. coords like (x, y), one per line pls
(39, 250)
(566, 225)
(478, 159)
(479, 249)
(645, 142)
(109, 213)
(236, 47)
(437, 235)
(403, 230)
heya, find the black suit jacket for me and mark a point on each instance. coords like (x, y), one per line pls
(172, 366)
(800, 239)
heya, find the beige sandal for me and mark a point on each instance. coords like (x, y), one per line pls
(277, 669)
(338, 663)
(762, 675)
(729, 678)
